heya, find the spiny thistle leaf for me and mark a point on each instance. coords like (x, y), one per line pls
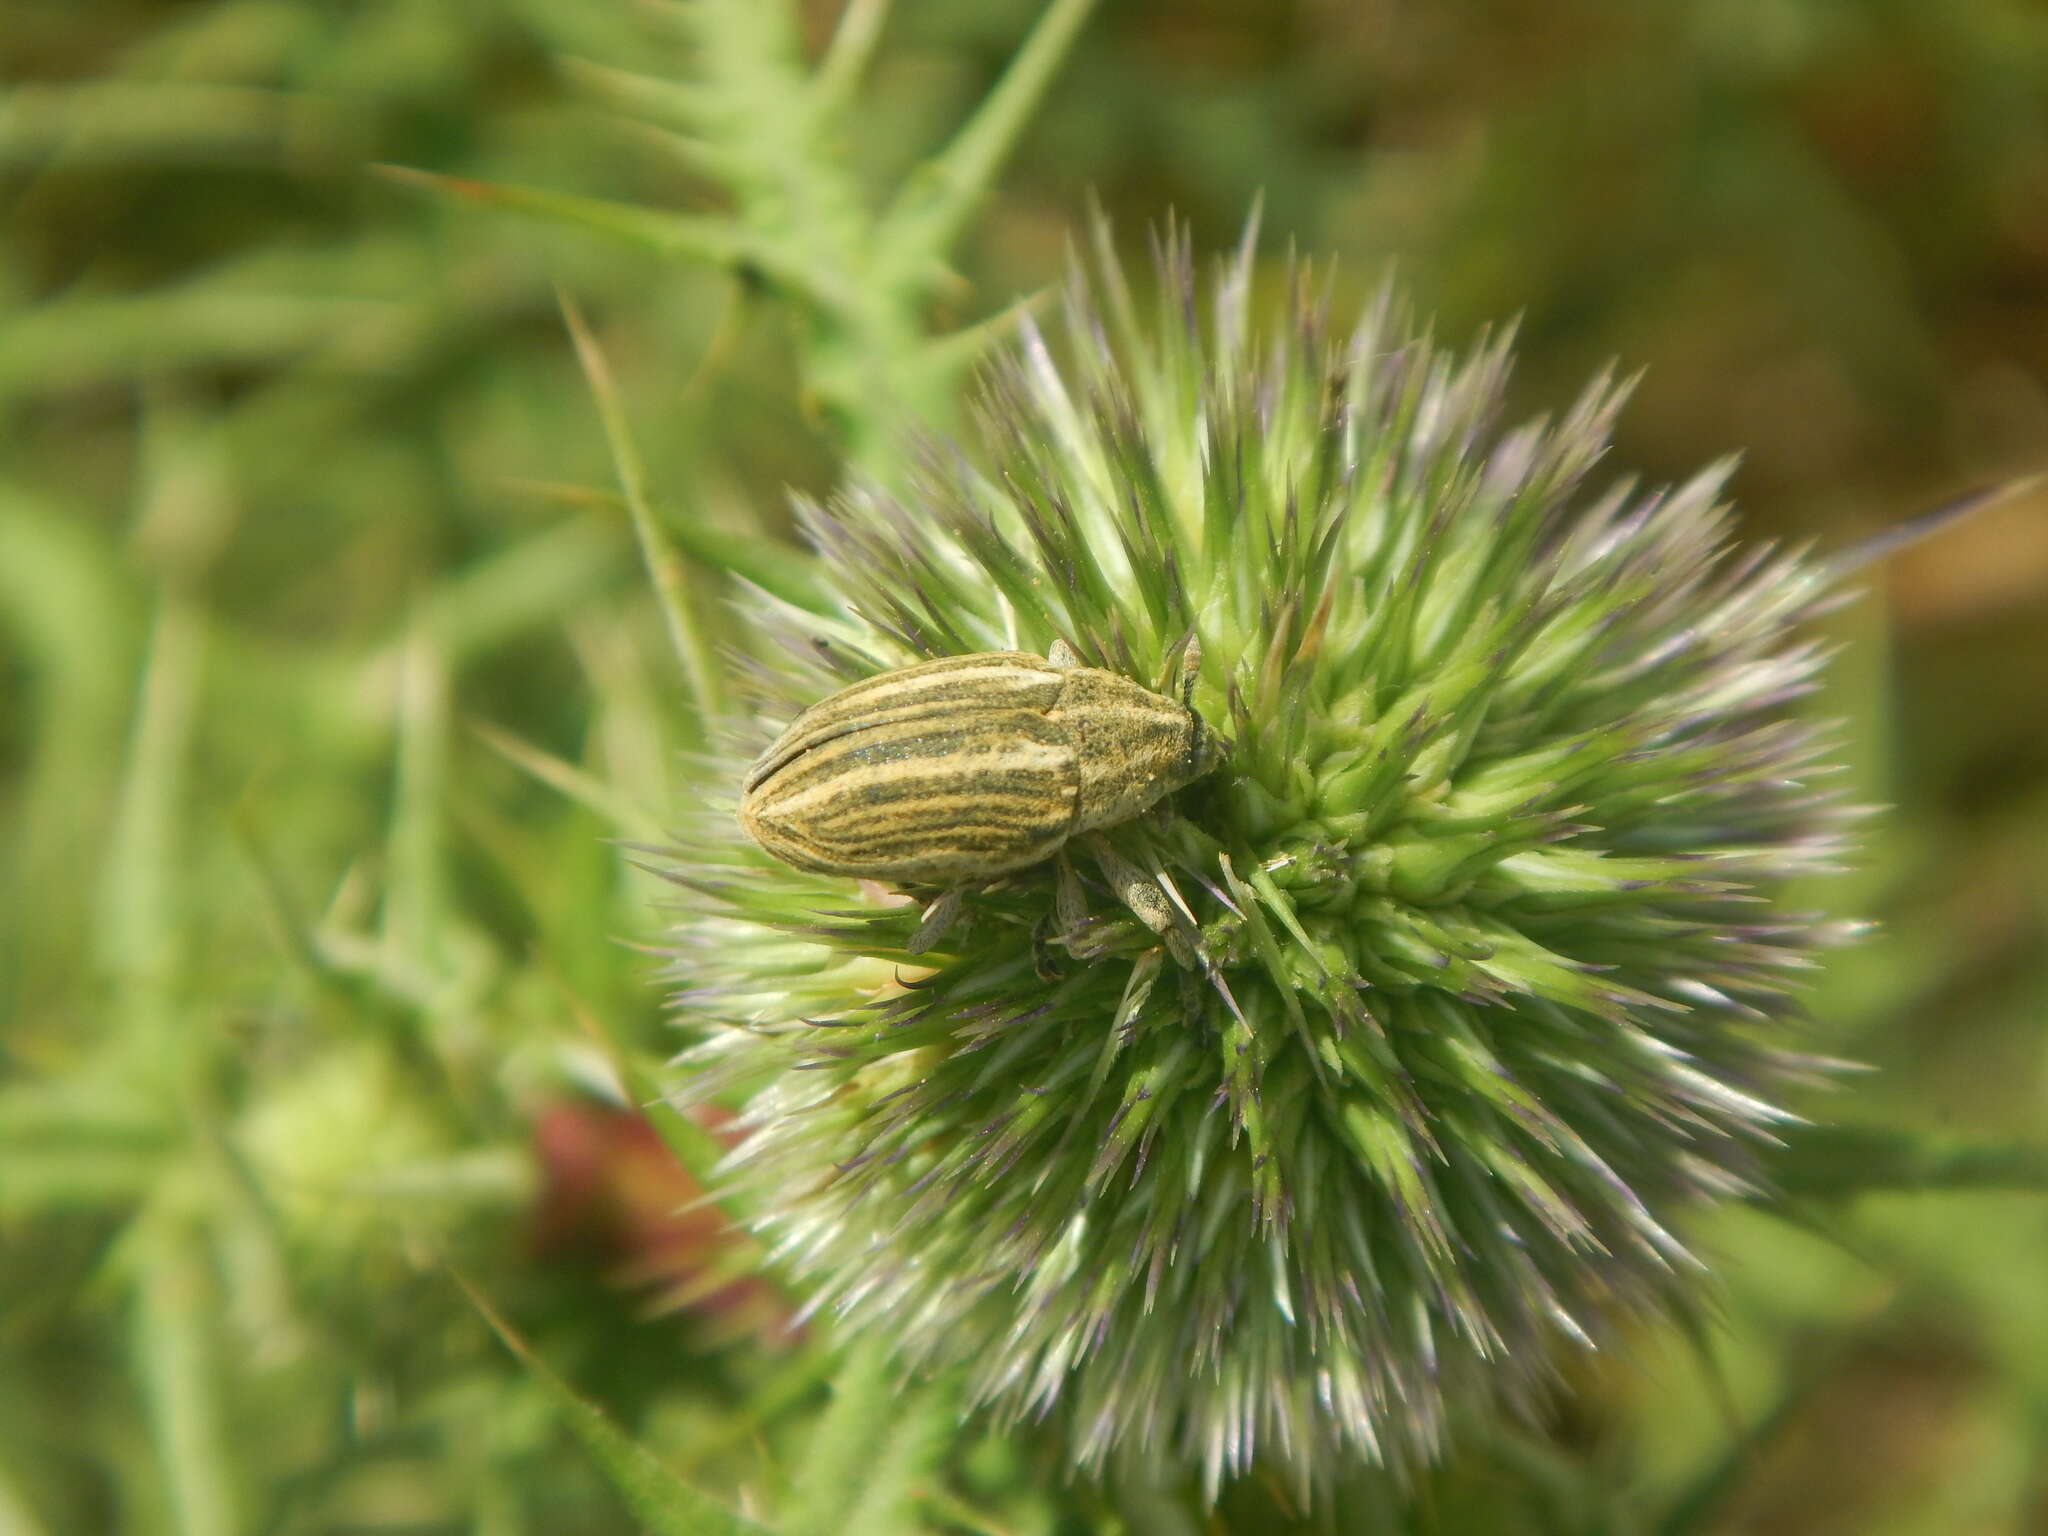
(1483, 987)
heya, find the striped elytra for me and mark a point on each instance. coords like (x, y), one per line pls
(967, 767)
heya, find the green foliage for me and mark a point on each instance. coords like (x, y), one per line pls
(329, 665)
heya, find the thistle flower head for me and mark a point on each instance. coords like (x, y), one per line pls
(1474, 983)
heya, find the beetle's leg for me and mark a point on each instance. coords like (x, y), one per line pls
(1043, 961)
(1148, 903)
(1190, 669)
(1069, 901)
(938, 917)
(1133, 887)
(1072, 924)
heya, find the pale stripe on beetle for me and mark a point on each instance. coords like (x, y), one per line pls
(964, 768)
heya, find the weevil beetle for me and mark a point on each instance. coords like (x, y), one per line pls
(957, 770)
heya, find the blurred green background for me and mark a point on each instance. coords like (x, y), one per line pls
(328, 666)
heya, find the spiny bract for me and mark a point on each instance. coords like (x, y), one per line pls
(1485, 991)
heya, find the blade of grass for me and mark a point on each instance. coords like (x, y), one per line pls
(155, 121)
(665, 1503)
(415, 901)
(141, 919)
(70, 617)
(594, 794)
(210, 321)
(777, 568)
(664, 568)
(1838, 1161)
(173, 1350)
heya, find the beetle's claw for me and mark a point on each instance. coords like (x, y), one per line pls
(1043, 960)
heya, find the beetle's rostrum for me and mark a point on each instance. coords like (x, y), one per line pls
(968, 767)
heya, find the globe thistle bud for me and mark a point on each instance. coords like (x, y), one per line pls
(1468, 981)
